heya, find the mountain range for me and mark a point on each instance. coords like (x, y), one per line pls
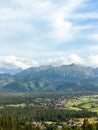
(65, 78)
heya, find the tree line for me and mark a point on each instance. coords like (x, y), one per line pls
(9, 123)
(26, 114)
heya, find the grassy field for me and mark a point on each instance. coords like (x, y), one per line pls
(91, 120)
(77, 121)
(86, 102)
(17, 105)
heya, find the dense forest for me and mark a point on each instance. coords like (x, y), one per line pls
(42, 114)
(9, 123)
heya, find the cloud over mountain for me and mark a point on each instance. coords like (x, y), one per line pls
(12, 62)
(73, 58)
(93, 60)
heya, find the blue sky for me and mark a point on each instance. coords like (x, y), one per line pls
(34, 32)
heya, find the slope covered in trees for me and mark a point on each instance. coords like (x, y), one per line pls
(9, 123)
(66, 78)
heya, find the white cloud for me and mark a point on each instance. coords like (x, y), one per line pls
(14, 62)
(88, 15)
(93, 36)
(11, 62)
(62, 28)
(74, 4)
(93, 60)
(26, 26)
(13, 24)
(73, 58)
(29, 4)
(83, 28)
(21, 16)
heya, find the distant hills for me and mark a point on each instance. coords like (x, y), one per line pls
(65, 78)
(9, 68)
(11, 71)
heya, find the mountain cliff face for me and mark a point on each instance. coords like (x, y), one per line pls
(65, 78)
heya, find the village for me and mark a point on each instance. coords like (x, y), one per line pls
(59, 125)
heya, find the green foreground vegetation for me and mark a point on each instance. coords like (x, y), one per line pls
(48, 111)
(9, 123)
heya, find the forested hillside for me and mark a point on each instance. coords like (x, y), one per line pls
(66, 78)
